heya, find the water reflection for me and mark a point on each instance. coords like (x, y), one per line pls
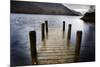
(44, 42)
(63, 35)
(21, 24)
(68, 44)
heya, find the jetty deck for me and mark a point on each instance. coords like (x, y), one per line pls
(55, 48)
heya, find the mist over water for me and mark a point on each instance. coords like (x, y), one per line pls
(21, 24)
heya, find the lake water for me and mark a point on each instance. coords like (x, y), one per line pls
(21, 24)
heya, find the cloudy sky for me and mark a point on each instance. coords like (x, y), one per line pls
(78, 7)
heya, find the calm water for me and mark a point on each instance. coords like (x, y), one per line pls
(21, 24)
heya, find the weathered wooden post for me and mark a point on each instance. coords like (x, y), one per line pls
(69, 31)
(78, 45)
(32, 36)
(63, 26)
(43, 31)
(46, 22)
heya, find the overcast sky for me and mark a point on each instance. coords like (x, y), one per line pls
(78, 7)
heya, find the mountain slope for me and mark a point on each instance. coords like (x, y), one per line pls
(41, 8)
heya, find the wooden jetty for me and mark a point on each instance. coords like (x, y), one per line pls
(56, 47)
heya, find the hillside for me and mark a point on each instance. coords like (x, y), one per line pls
(41, 8)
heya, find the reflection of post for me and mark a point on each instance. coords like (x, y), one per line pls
(63, 26)
(32, 35)
(68, 44)
(78, 45)
(43, 31)
(69, 31)
(46, 22)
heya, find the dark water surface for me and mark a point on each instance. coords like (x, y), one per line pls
(21, 24)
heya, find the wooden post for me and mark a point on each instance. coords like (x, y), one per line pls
(32, 36)
(63, 26)
(43, 31)
(78, 45)
(69, 31)
(46, 22)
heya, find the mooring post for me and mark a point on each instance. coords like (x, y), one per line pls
(69, 31)
(43, 31)
(46, 22)
(78, 45)
(63, 26)
(32, 36)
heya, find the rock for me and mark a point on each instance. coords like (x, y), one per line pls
(89, 17)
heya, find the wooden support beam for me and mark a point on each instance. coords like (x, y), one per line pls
(69, 31)
(63, 26)
(46, 23)
(43, 31)
(78, 45)
(32, 36)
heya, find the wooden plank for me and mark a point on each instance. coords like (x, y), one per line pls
(55, 49)
(54, 61)
(57, 57)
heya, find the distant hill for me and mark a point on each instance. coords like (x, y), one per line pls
(41, 8)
